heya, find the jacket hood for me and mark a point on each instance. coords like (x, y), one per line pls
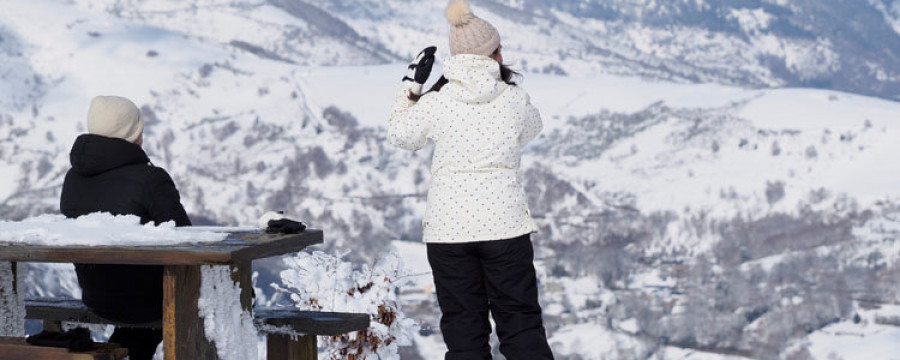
(95, 154)
(473, 78)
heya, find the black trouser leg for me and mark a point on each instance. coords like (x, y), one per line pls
(463, 300)
(512, 291)
(141, 343)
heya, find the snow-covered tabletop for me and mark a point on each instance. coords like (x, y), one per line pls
(101, 229)
(106, 239)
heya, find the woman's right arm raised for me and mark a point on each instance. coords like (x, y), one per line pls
(533, 124)
(408, 126)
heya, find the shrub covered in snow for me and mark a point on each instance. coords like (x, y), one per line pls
(322, 282)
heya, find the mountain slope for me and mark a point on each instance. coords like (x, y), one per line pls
(849, 45)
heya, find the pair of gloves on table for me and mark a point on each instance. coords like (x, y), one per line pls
(274, 222)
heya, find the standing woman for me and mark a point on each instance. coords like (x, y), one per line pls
(477, 225)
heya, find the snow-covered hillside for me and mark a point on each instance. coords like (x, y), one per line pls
(847, 45)
(728, 220)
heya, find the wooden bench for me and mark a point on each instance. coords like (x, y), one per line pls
(311, 323)
(14, 348)
(281, 346)
(53, 312)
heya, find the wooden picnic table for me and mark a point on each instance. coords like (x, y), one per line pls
(183, 334)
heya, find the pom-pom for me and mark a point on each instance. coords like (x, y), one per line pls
(459, 12)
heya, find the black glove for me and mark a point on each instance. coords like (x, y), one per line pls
(285, 226)
(419, 70)
(77, 339)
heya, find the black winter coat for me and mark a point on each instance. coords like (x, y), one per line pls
(115, 176)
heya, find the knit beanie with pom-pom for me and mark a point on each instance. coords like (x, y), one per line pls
(470, 34)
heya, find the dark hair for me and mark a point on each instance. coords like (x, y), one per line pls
(506, 74)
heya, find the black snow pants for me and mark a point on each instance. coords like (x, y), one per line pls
(141, 343)
(473, 278)
(130, 294)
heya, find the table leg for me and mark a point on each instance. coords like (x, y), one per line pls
(279, 347)
(242, 274)
(12, 307)
(283, 347)
(14, 267)
(183, 335)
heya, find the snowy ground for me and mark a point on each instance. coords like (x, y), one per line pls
(865, 340)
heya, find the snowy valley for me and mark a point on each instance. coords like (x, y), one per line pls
(695, 200)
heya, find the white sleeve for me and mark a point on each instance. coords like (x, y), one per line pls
(409, 124)
(533, 123)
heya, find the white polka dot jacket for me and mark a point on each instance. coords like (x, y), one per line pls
(479, 125)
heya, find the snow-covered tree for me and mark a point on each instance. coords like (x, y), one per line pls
(322, 282)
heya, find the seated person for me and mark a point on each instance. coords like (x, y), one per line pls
(111, 173)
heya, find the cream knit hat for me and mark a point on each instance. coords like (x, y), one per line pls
(115, 117)
(470, 34)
